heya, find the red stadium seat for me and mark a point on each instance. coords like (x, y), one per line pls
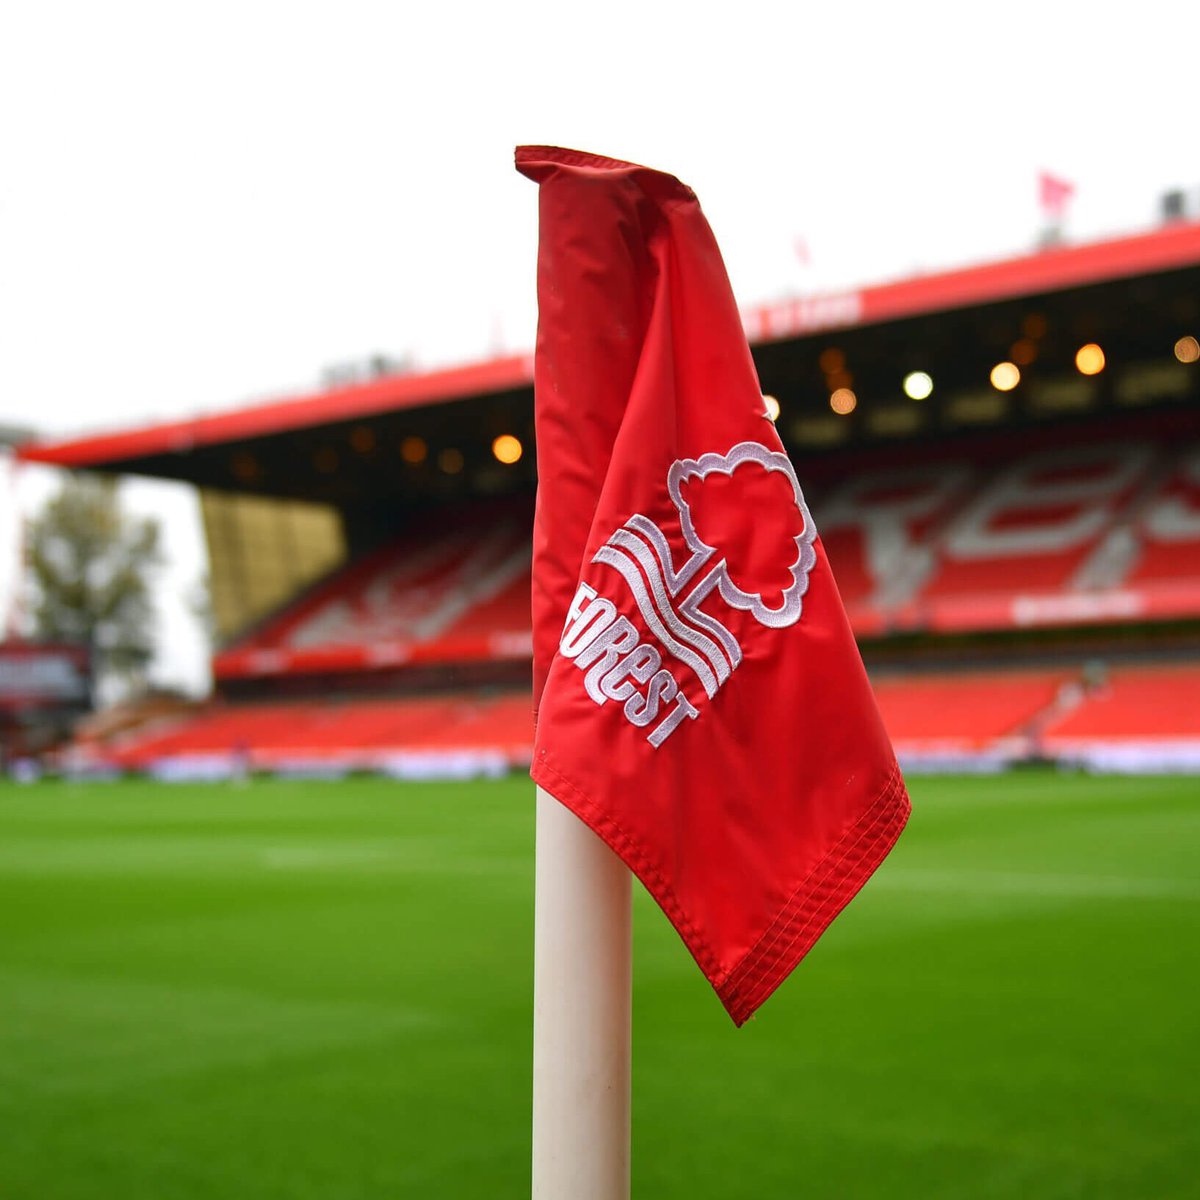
(1137, 704)
(966, 711)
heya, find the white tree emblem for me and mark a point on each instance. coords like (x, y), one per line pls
(669, 599)
(685, 470)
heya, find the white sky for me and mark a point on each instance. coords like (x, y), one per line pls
(206, 204)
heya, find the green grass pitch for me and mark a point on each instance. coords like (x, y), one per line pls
(300, 990)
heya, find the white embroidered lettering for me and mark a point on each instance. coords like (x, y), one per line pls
(587, 627)
(672, 721)
(582, 593)
(639, 665)
(641, 711)
(617, 640)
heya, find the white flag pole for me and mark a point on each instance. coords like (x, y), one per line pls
(581, 1012)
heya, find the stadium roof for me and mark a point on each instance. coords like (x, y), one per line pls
(1050, 270)
(387, 394)
(300, 445)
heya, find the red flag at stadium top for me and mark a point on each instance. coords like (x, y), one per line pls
(700, 700)
(1054, 193)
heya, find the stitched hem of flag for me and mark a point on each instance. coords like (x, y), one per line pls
(829, 887)
(810, 910)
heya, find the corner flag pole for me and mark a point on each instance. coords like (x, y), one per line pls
(581, 1012)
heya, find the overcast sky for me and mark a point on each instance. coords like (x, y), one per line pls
(206, 204)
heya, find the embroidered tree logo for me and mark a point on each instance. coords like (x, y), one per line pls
(746, 509)
(748, 535)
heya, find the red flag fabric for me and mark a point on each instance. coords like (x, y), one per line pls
(701, 703)
(1054, 193)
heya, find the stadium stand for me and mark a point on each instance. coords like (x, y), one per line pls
(413, 736)
(972, 717)
(1031, 529)
(1139, 718)
(370, 551)
(1106, 532)
(948, 546)
(966, 719)
(456, 590)
(1164, 541)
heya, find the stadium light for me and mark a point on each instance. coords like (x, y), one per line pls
(1005, 376)
(843, 402)
(507, 448)
(450, 460)
(1089, 359)
(1023, 352)
(414, 450)
(1187, 349)
(772, 406)
(832, 360)
(918, 385)
(246, 467)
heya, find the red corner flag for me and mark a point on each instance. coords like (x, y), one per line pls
(701, 703)
(1054, 194)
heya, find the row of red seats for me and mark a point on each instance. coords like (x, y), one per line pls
(1085, 533)
(968, 712)
(278, 734)
(1137, 703)
(964, 711)
(1044, 711)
